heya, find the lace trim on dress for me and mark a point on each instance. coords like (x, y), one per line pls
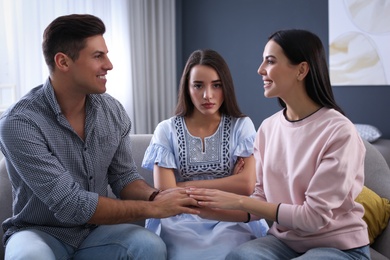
(214, 162)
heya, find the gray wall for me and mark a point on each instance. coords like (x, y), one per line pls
(238, 30)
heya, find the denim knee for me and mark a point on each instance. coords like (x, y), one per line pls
(35, 245)
(151, 246)
(122, 241)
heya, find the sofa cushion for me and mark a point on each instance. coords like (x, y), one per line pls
(368, 132)
(377, 212)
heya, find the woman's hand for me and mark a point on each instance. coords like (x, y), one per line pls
(221, 202)
(216, 199)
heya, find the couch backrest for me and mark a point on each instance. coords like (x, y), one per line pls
(139, 143)
(5, 200)
(377, 178)
(377, 172)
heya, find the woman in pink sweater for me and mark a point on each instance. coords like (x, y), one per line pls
(309, 164)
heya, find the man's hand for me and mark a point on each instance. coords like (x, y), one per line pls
(174, 201)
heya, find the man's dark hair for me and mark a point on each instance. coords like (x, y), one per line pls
(67, 34)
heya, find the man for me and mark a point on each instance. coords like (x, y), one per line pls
(64, 142)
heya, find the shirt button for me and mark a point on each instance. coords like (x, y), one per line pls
(85, 149)
(90, 177)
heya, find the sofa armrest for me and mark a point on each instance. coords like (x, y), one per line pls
(377, 178)
(381, 243)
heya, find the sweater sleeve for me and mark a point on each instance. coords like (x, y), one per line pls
(335, 183)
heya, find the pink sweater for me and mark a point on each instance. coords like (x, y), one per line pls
(315, 168)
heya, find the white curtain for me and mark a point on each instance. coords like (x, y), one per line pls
(140, 38)
(153, 52)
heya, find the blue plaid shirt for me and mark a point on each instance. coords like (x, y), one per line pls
(56, 176)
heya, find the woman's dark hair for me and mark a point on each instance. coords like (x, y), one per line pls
(300, 46)
(67, 34)
(214, 60)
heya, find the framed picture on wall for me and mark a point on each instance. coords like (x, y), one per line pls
(359, 42)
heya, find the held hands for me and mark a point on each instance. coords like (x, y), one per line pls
(173, 202)
(215, 199)
(206, 203)
(198, 201)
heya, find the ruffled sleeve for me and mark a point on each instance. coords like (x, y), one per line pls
(244, 134)
(158, 154)
(161, 148)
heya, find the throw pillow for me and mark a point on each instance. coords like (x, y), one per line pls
(368, 132)
(377, 212)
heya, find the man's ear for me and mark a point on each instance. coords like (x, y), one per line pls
(62, 61)
(303, 69)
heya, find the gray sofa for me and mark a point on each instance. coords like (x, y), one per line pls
(377, 178)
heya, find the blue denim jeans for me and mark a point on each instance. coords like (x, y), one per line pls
(269, 247)
(124, 241)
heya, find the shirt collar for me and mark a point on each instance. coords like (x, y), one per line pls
(93, 100)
